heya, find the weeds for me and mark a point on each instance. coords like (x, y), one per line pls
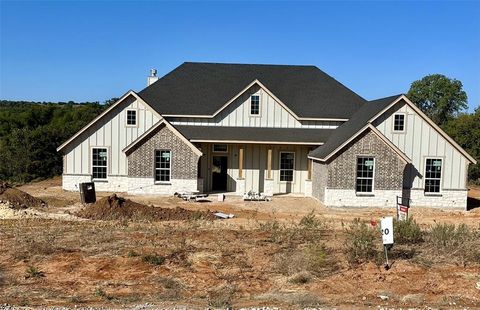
(99, 292)
(34, 273)
(154, 259)
(300, 278)
(360, 242)
(222, 297)
(407, 232)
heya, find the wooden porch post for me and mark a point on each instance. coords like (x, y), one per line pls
(269, 163)
(309, 174)
(240, 162)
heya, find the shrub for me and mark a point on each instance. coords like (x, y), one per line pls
(153, 259)
(459, 243)
(300, 278)
(407, 232)
(33, 272)
(360, 242)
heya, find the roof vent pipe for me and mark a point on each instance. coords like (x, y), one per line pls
(153, 77)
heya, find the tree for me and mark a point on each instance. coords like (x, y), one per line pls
(440, 97)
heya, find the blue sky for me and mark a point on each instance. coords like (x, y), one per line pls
(92, 51)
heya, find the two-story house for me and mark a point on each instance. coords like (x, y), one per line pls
(268, 128)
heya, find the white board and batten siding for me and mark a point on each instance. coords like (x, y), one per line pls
(112, 133)
(237, 114)
(255, 167)
(419, 141)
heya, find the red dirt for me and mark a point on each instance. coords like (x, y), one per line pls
(118, 208)
(17, 198)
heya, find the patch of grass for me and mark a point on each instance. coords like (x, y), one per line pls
(132, 253)
(33, 272)
(222, 297)
(300, 278)
(360, 242)
(407, 232)
(153, 259)
(99, 292)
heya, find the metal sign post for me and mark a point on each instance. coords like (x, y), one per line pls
(386, 224)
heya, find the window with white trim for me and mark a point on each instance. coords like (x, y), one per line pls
(287, 166)
(399, 122)
(433, 175)
(255, 105)
(220, 148)
(99, 163)
(163, 164)
(365, 174)
(131, 117)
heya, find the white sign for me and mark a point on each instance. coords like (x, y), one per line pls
(386, 224)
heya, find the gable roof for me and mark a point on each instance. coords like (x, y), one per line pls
(104, 113)
(171, 128)
(255, 134)
(363, 119)
(201, 89)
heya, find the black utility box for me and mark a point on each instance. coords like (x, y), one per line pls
(87, 192)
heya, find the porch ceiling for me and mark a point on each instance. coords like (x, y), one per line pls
(254, 135)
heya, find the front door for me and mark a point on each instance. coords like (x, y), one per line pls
(219, 173)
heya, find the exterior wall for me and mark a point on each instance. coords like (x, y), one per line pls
(348, 198)
(448, 199)
(110, 132)
(255, 168)
(141, 164)
(272, 114)
(334, 181)
(419, 141)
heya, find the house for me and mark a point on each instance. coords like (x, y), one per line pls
(269, 128)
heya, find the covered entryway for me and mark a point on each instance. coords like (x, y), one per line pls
(219, 173)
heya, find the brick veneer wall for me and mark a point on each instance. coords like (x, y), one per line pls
(141, 158)
(388, 166)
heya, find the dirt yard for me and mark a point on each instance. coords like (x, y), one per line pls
(289, 253)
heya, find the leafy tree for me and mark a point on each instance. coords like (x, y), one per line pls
(465, 130)
(440, 97)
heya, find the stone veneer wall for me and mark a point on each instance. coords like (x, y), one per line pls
(319, 180)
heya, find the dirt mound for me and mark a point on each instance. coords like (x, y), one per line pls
(118, 208)
(18, 199)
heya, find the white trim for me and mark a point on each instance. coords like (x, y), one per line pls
(126, 95)
(155, 168)
(373, 175)
(280, 166)
(439, 193)
(256, 142)
(221, 152)
(107, 166)
(259, 95)
(136, 118)
(404, 123)
(172, 129)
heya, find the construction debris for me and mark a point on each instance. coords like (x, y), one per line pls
(189, 196)
(255, 196)
(118, 208)
(223, 215)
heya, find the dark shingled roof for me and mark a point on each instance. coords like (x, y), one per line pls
(203, 88)
(352, 126)
(219, 133)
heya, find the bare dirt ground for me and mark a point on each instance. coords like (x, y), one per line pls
(265, 256)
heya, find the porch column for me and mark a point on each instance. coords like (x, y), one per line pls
(269, 163)
(309, 173)
(240, 162)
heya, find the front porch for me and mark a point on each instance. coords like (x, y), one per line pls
(273, 169)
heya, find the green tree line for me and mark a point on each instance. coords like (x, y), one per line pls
(30, 133)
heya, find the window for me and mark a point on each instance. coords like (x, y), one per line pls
(131, 117)
(220, 148)
(255, 105)
(99, 163)
(287, 164)
(365, 171)
(399, 122)
(433, 175)
(162, 165)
